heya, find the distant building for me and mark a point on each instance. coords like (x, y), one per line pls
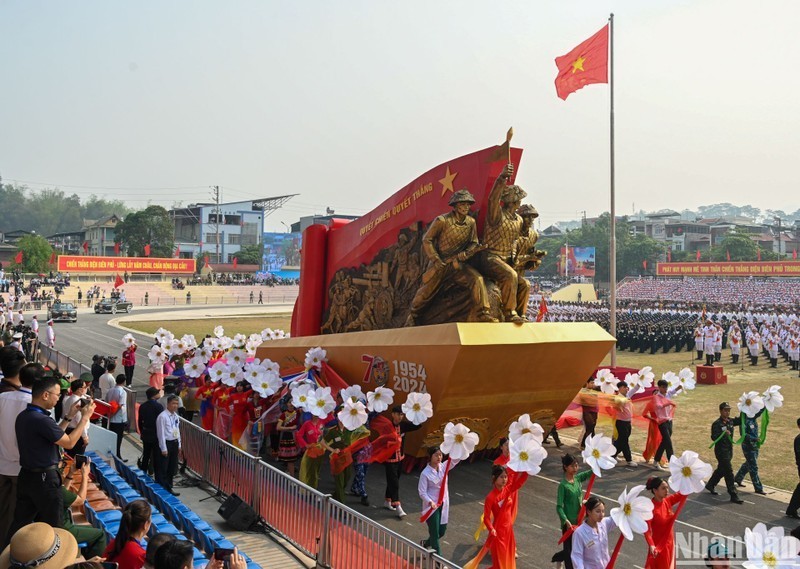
(196, 226)
(99, 235)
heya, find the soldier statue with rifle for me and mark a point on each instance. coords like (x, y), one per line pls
(450, 241)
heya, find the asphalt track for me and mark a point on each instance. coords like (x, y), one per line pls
(537, 531)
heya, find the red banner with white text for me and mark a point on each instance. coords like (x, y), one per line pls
(81, 264)
(733, 269)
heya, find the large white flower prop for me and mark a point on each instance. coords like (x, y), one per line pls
(270, 366)
(606, 381)
(686, 379)
(632, 379)
(219, 331)
(164, 336)
(315, 357)
(379, 400)
(418, 407)
(157, 355)
(526, 454)
(233, 376)
(178, 347)
(750, 403)
(190, 341)
(646, 377)
(770, 549)
(301, 395)
(321, 403)
(599, 454)
(671, 379)
(218, 371)
(254, 373)
(224, 343)
(773, 398)
(267, 384)
(267, 334)
(128, 340)
(236, 357)
(253, 342)
(239, 340)
(633, 512)
(688, 473)
(352, 392)
(204, 353)
(353, 414)
(195, 367)
(524, 426)
(459, 441)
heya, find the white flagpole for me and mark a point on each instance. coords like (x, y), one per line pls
(613, 244)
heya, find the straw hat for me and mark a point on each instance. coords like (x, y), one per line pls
(41, 546)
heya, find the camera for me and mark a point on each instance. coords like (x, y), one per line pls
(84, 401)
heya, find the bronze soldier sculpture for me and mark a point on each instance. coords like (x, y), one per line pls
(450, 240)
(525, 256)
(503, 228)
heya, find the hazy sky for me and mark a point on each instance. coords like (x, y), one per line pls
(344, 102)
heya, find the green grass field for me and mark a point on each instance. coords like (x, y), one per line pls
(697, 409)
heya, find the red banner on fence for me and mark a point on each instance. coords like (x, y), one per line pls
(79, 264)
(740, 269)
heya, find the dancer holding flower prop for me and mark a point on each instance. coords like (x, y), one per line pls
(767, 549)
(751, 438)
(459, 442)
(569, 504)
(660, 535)
(722, 437)
(630, 517)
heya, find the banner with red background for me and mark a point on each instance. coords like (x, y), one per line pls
(357, 242)
(81, 264)
(730, 269)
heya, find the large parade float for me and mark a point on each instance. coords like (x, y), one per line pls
(426, 293)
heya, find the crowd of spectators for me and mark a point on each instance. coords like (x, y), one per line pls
(761, 292)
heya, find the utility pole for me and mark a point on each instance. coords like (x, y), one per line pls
(216, 193)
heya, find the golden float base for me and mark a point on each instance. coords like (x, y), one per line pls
(482, 374)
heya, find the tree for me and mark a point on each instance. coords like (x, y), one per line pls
(740, 246)
(250, 254)
(152, 226)
(36, 252)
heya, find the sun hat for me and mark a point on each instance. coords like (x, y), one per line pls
(41, 546)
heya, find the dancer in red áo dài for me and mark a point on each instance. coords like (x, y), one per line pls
(239, 399)
(499, 511)
(660, 535)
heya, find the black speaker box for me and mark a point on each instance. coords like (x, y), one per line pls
(240, 516)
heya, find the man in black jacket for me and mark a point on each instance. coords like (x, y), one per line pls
(722, 435)
(148, 413)
(794, 503)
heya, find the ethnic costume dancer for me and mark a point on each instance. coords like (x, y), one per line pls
(660, 535)
(499, 512)
(288, 450)
(308, 439)
(568, 503)
(435, 497)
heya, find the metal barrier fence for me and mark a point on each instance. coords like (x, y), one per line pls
(336, 536)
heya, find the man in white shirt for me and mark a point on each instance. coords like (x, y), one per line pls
(35, 325)
(107, 381)
(51, 334)
(118, 422)
(12, 403)
(169, 443)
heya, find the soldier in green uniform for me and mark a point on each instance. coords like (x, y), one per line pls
(722, 435)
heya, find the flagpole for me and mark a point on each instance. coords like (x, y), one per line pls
(613, 243)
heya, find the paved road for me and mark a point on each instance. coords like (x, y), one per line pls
(537, 533)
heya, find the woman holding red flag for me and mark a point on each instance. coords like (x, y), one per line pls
(568, 504)
(205, 394)
(499, 512)
(435, 496)
(660, 534)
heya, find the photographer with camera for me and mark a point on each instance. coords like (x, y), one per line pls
(78, 395)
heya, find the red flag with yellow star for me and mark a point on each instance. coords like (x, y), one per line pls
(584, 65)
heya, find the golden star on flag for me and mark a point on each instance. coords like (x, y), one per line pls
(577, 65)
(447, 181)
